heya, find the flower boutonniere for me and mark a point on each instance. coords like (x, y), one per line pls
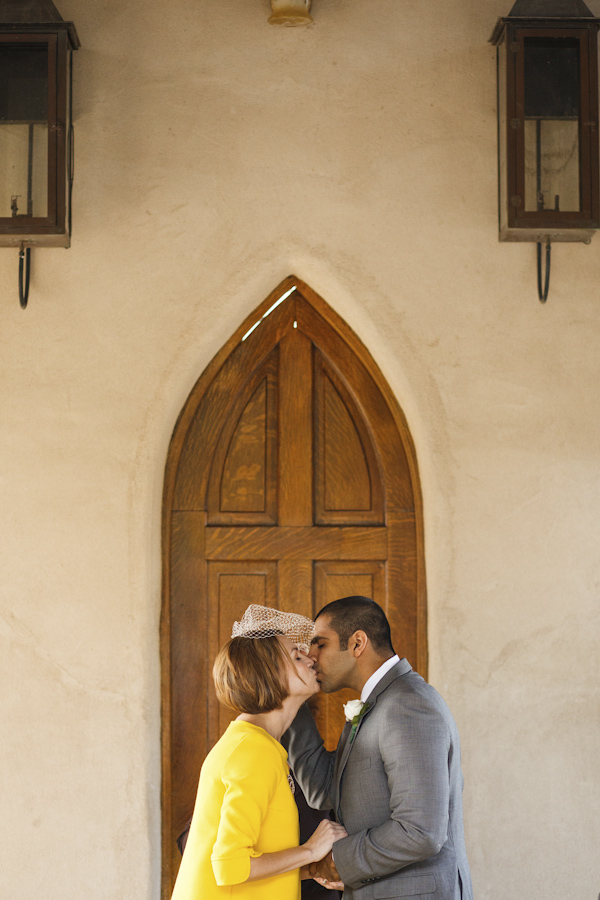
(354, 710)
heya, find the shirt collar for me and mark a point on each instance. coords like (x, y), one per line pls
(376, 677)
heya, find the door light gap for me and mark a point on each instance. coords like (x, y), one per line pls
(269, 311)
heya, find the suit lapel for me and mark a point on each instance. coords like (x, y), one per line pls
(344, 745)
(345, 748)
(341, 749)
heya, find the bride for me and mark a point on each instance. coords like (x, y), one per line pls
(244, 836)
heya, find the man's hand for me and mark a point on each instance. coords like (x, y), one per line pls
(330, 885)
(325, 873)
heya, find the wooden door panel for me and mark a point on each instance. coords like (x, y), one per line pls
(403, 576)
(243, 479)
(291, 481)
(335, 578)
(232, 586)
(375, 401)
(243, 485)
(295, 431)
(346, 481)
(209, 407)
(296, 543)
(348, 487)
(189, 662)
(295, 577)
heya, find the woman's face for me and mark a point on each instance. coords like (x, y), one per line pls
(302, 678)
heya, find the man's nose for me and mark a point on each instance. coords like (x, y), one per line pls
(312, 654)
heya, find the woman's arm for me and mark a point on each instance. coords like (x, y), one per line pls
(277, 863)
(310, 762)
(317, 846)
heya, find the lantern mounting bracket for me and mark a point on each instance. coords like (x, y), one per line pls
(24, 263)
(543, 291)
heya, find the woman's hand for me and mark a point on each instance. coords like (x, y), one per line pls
(304, 857)
(323, 838)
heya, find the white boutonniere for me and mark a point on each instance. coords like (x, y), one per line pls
(354, 710)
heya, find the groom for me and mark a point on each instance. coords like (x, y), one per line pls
(395, 781)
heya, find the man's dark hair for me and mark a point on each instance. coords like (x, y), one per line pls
(357, 613)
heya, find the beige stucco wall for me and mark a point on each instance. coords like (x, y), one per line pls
(216, 155)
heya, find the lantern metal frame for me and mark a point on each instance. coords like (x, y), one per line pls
(563, 19)
(27, 23)
(568, 21)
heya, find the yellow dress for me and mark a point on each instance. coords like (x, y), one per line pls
(244, 808)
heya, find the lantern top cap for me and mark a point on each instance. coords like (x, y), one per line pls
(550, 9)
(35, 12)
(538, 11)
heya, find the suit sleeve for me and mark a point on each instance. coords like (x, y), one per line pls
(311, 763)
(250, 777)
(414, 743)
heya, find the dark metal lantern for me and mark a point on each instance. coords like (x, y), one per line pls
(548, 121)
(36, 132)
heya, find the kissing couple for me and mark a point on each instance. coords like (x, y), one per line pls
(394, 783)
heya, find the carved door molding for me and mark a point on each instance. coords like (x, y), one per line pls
(291, 480)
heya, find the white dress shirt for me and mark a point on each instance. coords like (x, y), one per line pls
(376, 677)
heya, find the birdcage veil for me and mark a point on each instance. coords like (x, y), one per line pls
(262, 621)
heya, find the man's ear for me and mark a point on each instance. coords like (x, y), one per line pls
(357, 644)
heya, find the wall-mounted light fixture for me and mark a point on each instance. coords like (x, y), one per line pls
(290, 12)
(36, 132)
(547, 54)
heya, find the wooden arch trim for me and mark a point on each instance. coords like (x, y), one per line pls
(344, 367)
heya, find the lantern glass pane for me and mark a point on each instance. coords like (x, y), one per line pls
(24, 130)
(552, 90)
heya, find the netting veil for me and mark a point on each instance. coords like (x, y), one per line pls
(262, 621)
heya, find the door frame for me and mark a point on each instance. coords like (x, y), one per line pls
(182, 426)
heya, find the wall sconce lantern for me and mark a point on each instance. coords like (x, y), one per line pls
(36, 132)
(547, 53)
(290, 12)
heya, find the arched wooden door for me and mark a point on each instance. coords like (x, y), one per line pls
(291, 481)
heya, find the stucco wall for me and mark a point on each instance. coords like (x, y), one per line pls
(216, 155)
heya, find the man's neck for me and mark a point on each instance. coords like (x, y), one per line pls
(370, 669)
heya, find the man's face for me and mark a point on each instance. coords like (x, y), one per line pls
(302, 678)
(334, 667)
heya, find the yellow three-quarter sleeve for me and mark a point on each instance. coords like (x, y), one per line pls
(250, 775)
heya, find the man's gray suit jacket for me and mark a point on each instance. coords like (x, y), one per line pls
(397, 790)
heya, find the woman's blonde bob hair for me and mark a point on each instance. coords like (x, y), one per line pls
(250, 674)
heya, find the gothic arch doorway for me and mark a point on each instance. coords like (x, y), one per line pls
(291, 480)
